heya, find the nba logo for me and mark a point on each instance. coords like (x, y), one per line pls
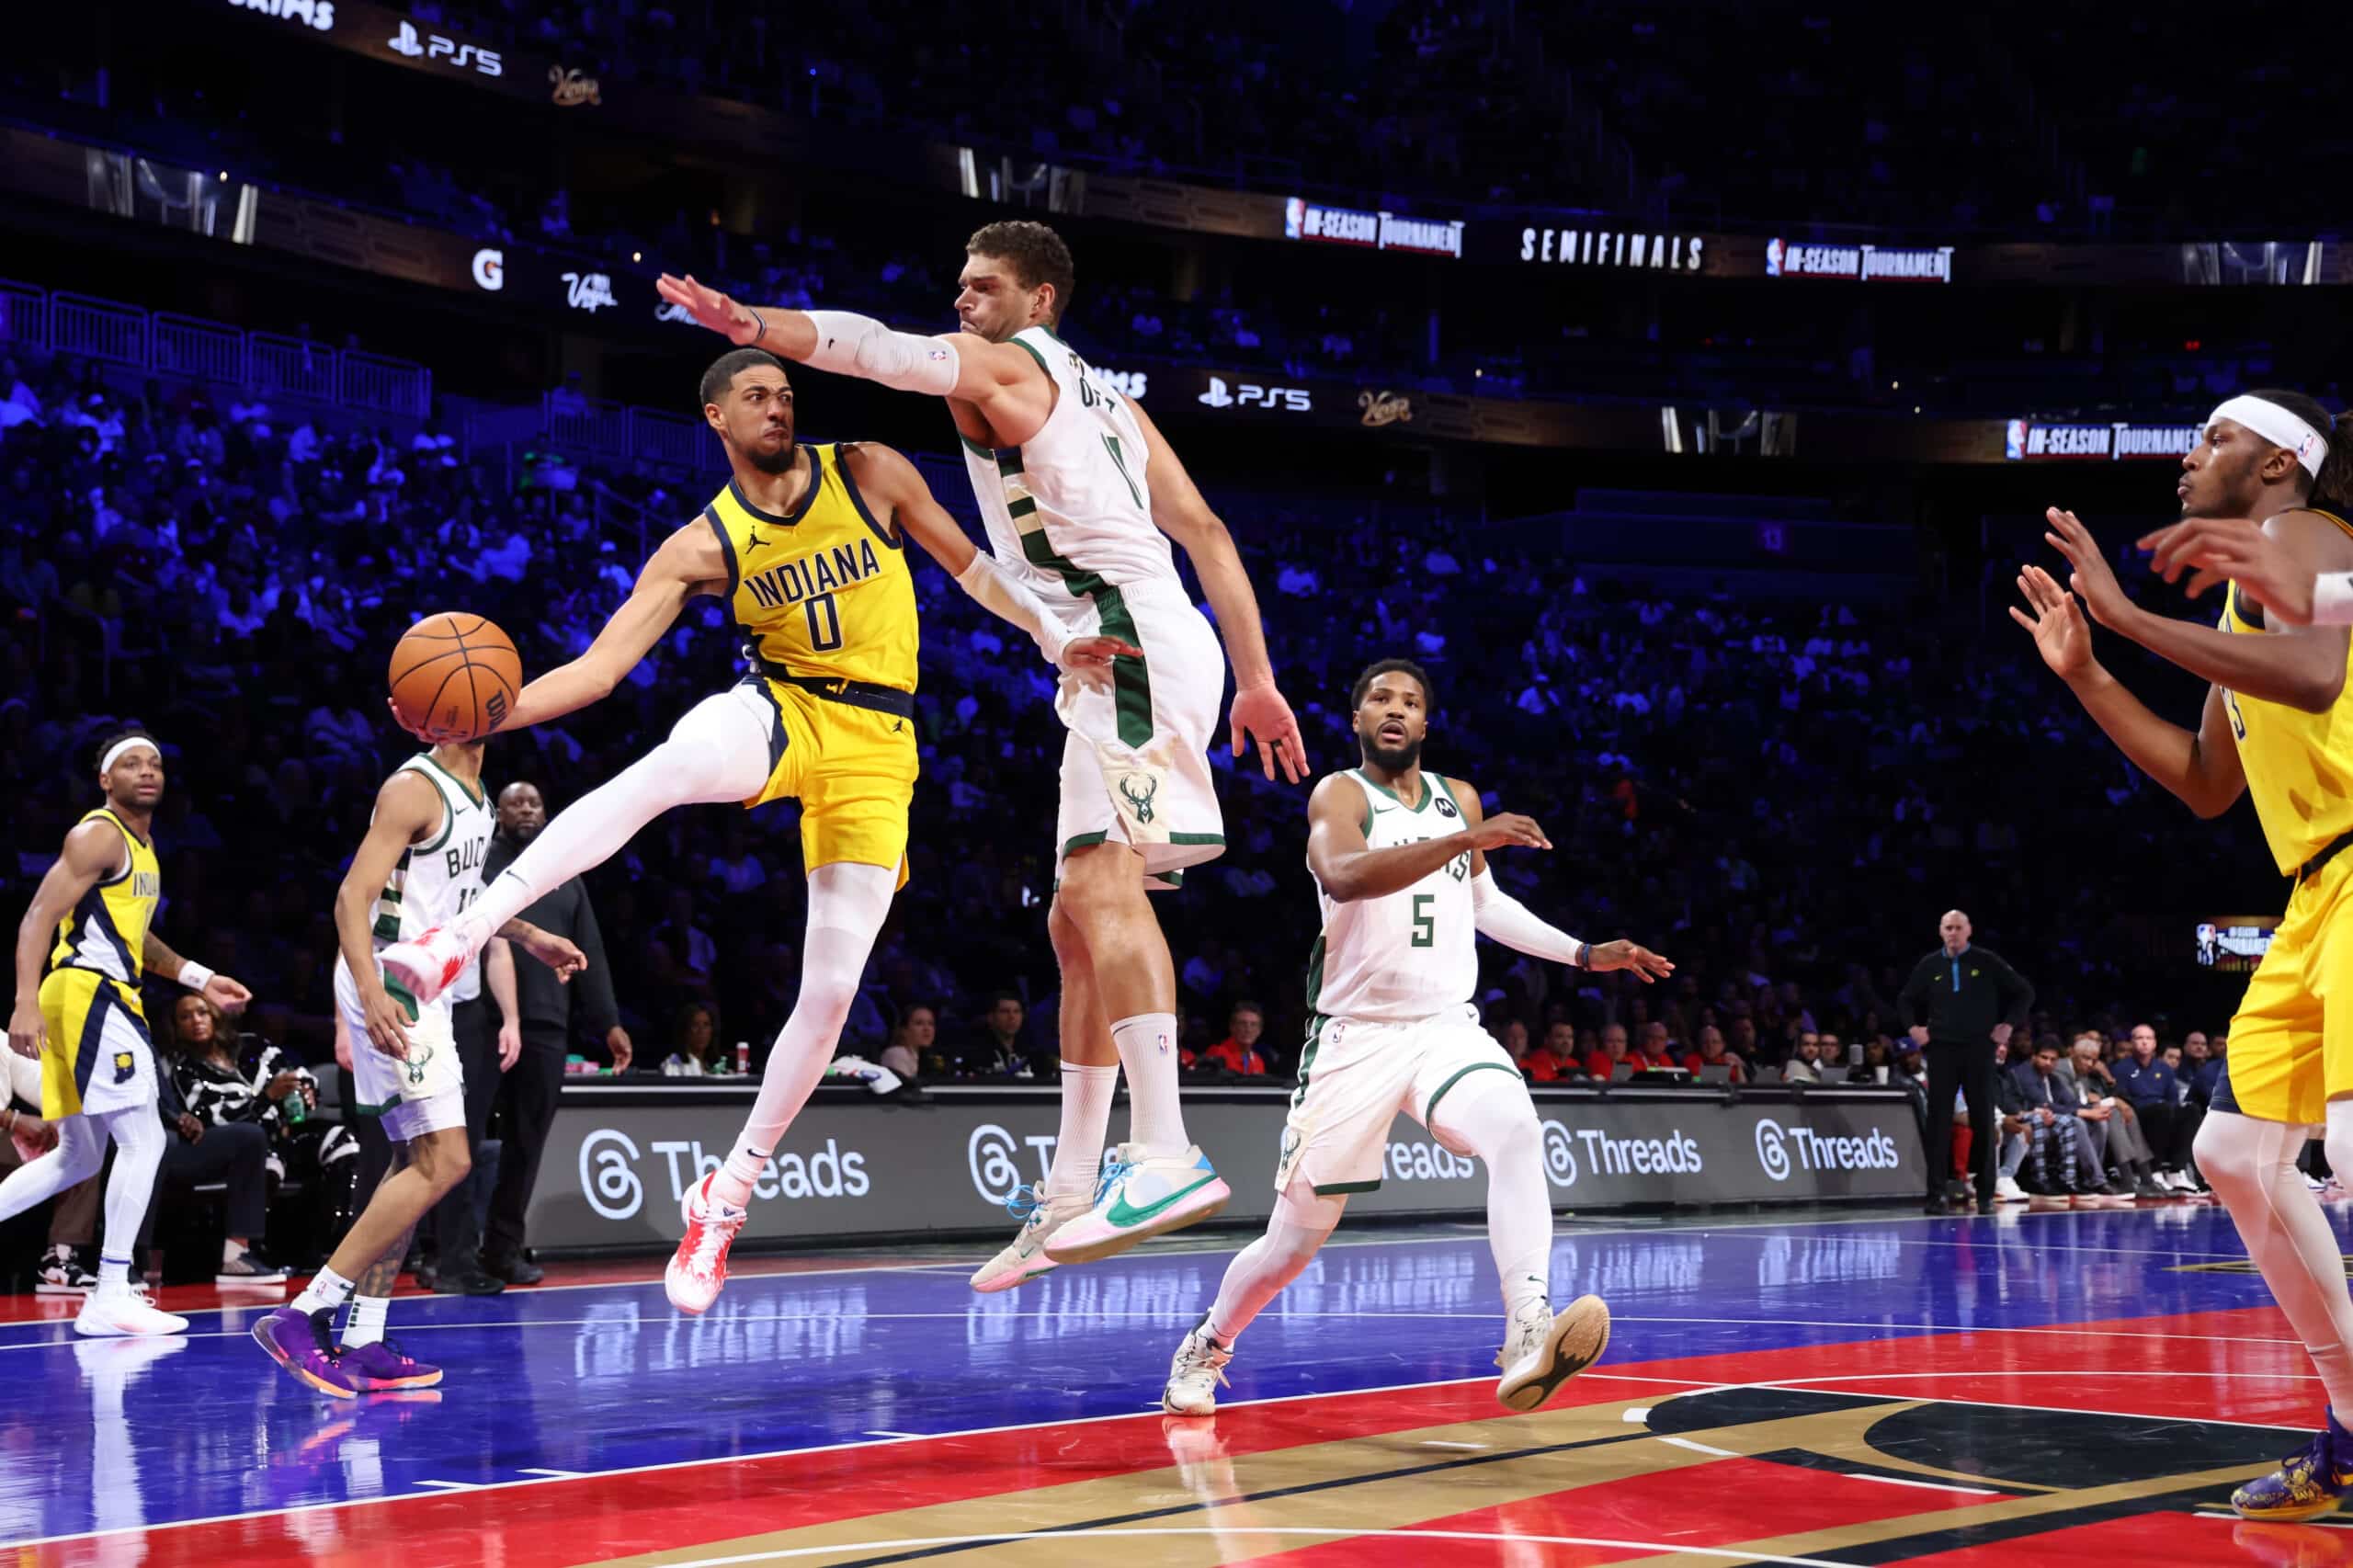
(1773, 258)
(1163, 1045)
(1295, 219)
(2014, 440)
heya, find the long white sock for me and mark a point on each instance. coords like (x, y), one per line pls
(138, 1135)
(1087, 1123)
(717, 751)
(366, 1323)
(1147, 1045)
(326, 1290)
(81, 1150)
(847, 905)
(1491, 1115)
(2251, 1165)
(1300, 1225)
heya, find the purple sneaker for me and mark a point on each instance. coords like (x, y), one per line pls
(382, 1366)
(298, 1341)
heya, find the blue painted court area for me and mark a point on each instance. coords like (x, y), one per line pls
(597, 1378)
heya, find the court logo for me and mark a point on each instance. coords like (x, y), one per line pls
(608, 1175)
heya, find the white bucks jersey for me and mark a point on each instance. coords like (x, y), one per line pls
(1067, 510)
(434, 881)
(1406, 955)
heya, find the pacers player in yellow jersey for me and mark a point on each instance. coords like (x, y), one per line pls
(2278, 726)
(83, 949)
(807, 546)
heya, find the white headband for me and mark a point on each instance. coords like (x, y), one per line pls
(2278, 425)
(114, 751)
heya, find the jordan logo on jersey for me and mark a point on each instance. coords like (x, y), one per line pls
(810, 575)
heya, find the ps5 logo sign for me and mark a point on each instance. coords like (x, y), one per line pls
(318, 14)
(410, 45)
(588, 290)
(1296, 400)
(489, 269)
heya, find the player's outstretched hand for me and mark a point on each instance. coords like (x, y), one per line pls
(1622, 954)
(2215, 549)
(2061, 634)
(25, 1030)
(227, 995)
(1509, 829)
(1089, 659)
(708, 307)
(557, 953)
(2093, 578)
(1260, 712)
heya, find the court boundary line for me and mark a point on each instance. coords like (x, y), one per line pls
(1321, 1532)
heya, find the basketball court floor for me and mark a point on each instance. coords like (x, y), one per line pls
(1826, 1387)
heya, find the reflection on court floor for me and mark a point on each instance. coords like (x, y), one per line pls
(1848, 1389)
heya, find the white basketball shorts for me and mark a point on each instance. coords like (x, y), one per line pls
(1136, 768)
(424, 1093)
(1354, 1079)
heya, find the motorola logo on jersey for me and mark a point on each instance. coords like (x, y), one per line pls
(316, 14)
(1251, 394)
(489, 269)
(412, 45)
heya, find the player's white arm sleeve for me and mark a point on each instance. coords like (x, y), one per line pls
(2333, 599)
(852, 345)
(1009, 600)
(1498, 915)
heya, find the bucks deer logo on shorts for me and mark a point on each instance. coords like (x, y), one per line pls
(415, 1065)
(1139, 801)
(124, 1066)
(1292, 1142)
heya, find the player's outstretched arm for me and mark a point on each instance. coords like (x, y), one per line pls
(2243, 551)
(894, 488)
(164, 964)
(408, 809)
(956, 364)
(559, 953)
(2305, 670)
(1180, 512)
(1348, 869)
(2201, 767)
(690, 561)
(1500, 917)
(93, 850)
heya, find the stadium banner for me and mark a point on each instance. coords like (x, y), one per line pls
(433, 48)
(620, 1158)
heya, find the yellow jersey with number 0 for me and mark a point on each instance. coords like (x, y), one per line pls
(2299, 766)
(822, 592)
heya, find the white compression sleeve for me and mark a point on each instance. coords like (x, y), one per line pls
(2333, 599)
(1495, 914)
(852, 345)
(996, 591)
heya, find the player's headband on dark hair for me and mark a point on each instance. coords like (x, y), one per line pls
(2280, 426)
(114, 751)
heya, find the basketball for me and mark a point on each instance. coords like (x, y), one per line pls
(454, 676)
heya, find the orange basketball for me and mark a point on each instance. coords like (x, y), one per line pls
(454, 676)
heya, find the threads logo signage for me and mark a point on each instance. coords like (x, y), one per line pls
(1785, 1147)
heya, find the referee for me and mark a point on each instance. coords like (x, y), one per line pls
(1961, 1003)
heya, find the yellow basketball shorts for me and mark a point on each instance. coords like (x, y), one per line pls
(853, 769)
(96, 1058)
(2291, 1043)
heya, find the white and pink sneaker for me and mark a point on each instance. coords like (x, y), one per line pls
(697, 1270)
(429, 965)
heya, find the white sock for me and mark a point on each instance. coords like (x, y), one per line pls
(1259, 1271)
(1087, 1123)
(366, 1323)
(326, 1290)
(1491, 1115)
(138, 1137)
(1147, 1045)
(848, 903)
(717, 752)
(2251, 1164)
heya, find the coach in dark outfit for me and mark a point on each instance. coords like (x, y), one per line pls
(1959, 1004)
(529, 1091)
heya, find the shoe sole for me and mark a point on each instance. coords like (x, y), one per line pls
(1579, 1336)
(1204, 1203)
(2289, 1516)
(46, 1289)
(395, 1385)
(269, 1347)
(992, 1284)
(1168, 1409)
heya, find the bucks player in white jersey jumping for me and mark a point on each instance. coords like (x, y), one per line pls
(1400, 859)
(1082, 495)
(418, 867)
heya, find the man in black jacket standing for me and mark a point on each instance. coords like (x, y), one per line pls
(1961, 1002)
(529, 1092)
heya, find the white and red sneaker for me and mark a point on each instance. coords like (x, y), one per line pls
(429, 965)
(697, 1270)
